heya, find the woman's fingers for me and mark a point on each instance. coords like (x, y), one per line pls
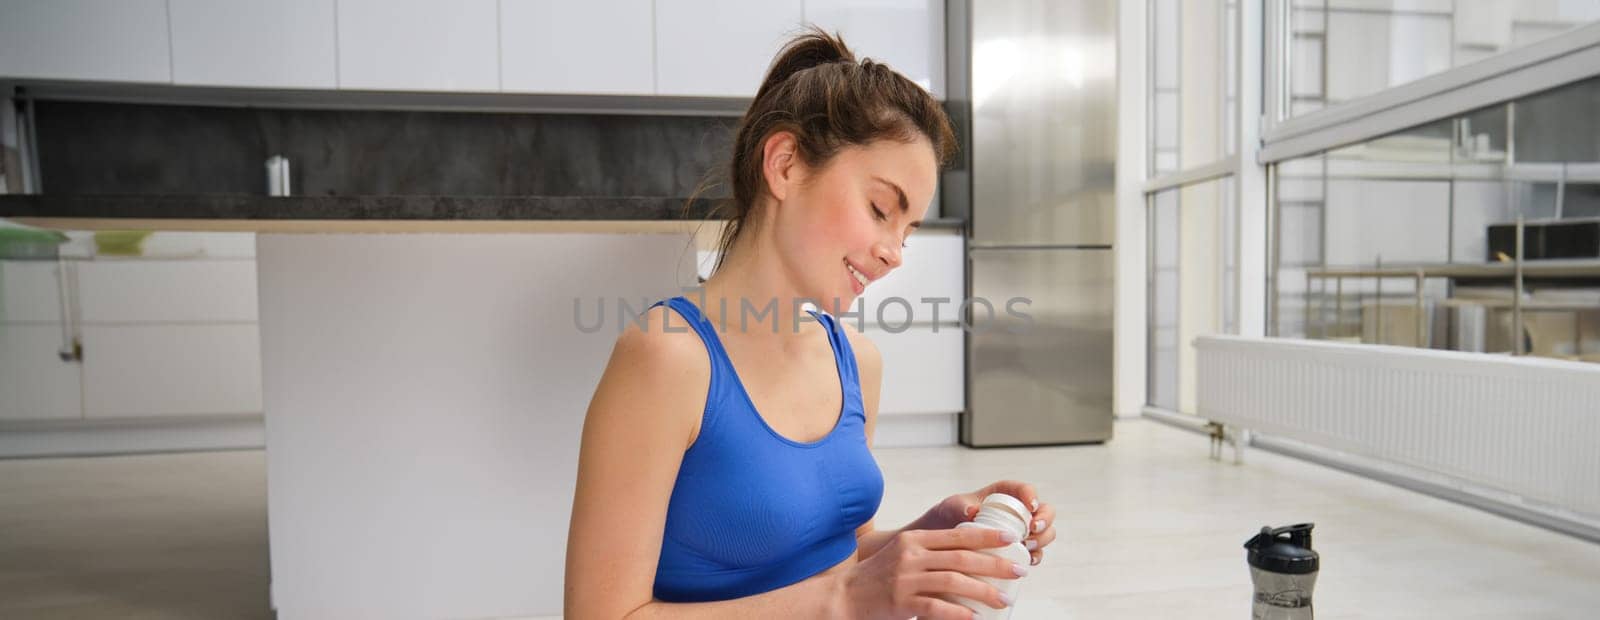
(973, 563)
(1046, 537)
(1042, 532)
(936, 609)
(1046, 513)
(946, 584)
(962, 538)
(1043, 521)
(1015, 488)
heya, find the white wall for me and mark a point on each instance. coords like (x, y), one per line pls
(1129, 337)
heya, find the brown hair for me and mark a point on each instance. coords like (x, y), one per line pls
(817, 90)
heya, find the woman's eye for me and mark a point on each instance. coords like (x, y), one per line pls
(876, 214)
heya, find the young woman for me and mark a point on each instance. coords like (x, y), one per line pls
(725, 470)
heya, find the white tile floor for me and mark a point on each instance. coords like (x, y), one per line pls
(1152, 530)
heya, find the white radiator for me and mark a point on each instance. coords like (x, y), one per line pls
(1525, 426)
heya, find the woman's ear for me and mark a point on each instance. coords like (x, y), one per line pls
(780, 163)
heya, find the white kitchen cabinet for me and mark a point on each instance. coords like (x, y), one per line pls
(720, 48)
(35, 383)
(923, 370)
(103, 40)
(594, 47)
(167, 291)
(622, 47)
(160, 338)
(924, 365)
(171, 370)
(907, 35)
(29, 291)
(169, 337)
(248, 43)
(419, 45)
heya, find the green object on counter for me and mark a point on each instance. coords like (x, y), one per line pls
(22, 242)
(120, 242)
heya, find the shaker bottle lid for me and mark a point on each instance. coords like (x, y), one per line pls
(1284, 550)
(1010, 502)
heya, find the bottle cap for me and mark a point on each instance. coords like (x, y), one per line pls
(1284, 550)
(1013, 504)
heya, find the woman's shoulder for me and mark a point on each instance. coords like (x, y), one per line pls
(660, 339)
(657, 365)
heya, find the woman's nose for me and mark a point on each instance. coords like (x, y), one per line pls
(889, 254)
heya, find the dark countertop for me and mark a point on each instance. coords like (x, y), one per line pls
(387, 208)
(248, 207)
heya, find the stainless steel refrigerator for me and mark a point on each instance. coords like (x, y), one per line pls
(1041, 93)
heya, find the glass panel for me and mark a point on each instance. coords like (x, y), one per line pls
(1163, 336)
(1193, 283)
(1166, 162)
(1581, 201)
(1559, 125)
(1163, 50)
(1166, 122)
(1164, 86)
(1230, 67)
(1193, 83)
(1442, 198)
(1344, 49)
(1228, 206)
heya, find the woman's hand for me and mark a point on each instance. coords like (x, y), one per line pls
(963, 507)
(918, 571)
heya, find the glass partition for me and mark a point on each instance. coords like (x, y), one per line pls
(1193, 83)
(1340, 50)
(1410, 239)
(1193, 282)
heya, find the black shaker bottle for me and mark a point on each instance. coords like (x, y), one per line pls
(1283, 569)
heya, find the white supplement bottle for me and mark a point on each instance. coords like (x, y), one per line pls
(1005, 513)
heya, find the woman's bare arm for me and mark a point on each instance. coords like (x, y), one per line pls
(644, 414)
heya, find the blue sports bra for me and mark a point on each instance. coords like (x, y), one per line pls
(752, 510)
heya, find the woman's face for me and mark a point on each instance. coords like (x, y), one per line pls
(842, 226)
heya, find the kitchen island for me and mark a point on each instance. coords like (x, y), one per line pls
(424, 383)
(426, 365)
